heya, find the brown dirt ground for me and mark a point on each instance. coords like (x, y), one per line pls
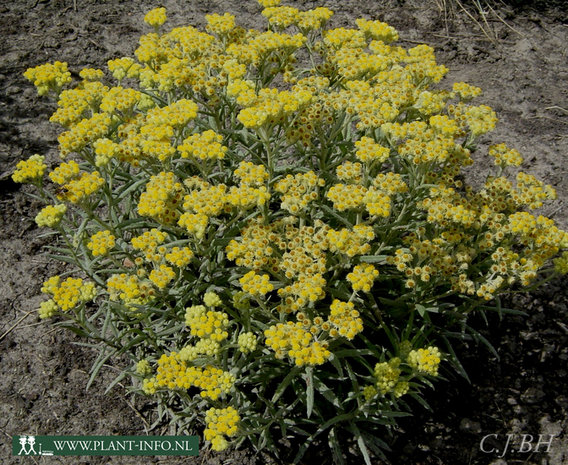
(520, 60)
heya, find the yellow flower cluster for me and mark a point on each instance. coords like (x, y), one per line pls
(480, 119)
(245, 196)
(247, 342)
(162, 198)
(80, 188)
(281, 16)
(51, 76)
(293, 340)
(298, 191)
(162, 276)
(220, 24)
(180, 256)
(220, 423)
(47, 309)
(51, 215)
(444, 125)
(85, 131)
(466, 91)
(504, 156)
(305, 254)
(120, 100)
(66, 294)
(272, 107)
(390, 183)
(387, 375)
(269, 3)
(256, 284)
(65, 172)
(345, 319)
(91, 74)
(561, 264)
(351, 242)
(306, 289)
(174, 373)
(250, 174)
(425, 360)
(129, 289)
(206, 346)
(347, 196)
(377, 30)
(350, 172)
(341, 37)
(143, 368)
(155, 17)
(123, 67)
(362, 277)
(253, 251)
(105, 150)
(148, 243)
(195, 224)
(101, 243)
(377, 203)
(313, 19)
(205, 323)
(29, 170)
(74, 104)
(531, 192)
(203, 146)
(211, 299)
(206, 199)
(177, 114)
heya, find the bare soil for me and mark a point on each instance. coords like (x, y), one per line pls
(518, 53)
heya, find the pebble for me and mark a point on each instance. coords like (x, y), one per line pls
(498, 462)
(533, 395)
(470, 426)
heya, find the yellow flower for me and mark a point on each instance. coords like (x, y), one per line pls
(425, 360)
(29, 170)
(221, 25)
(345, 319)
(387, 374)
(49, 77)
(211, 299)
(47, 309)
(207, 323)
(155, 17)
(269, 3)
(143, 368)
(220, 423)
(256, 284)
(51, 215)
(247, 342)
(362, 277)
(162, 276)
(101, 243)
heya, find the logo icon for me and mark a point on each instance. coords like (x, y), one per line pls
(27, 445)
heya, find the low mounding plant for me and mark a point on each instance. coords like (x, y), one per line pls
(274, 226)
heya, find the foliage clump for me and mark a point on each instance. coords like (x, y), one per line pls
(274, 226)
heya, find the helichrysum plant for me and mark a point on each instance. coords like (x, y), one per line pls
(274, 225)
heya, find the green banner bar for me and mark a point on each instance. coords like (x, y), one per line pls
(104, 445)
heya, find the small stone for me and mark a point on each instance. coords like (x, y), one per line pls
(533, 395)
(470, 426)
(498, 462)
(562, 401)
(511, 401)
